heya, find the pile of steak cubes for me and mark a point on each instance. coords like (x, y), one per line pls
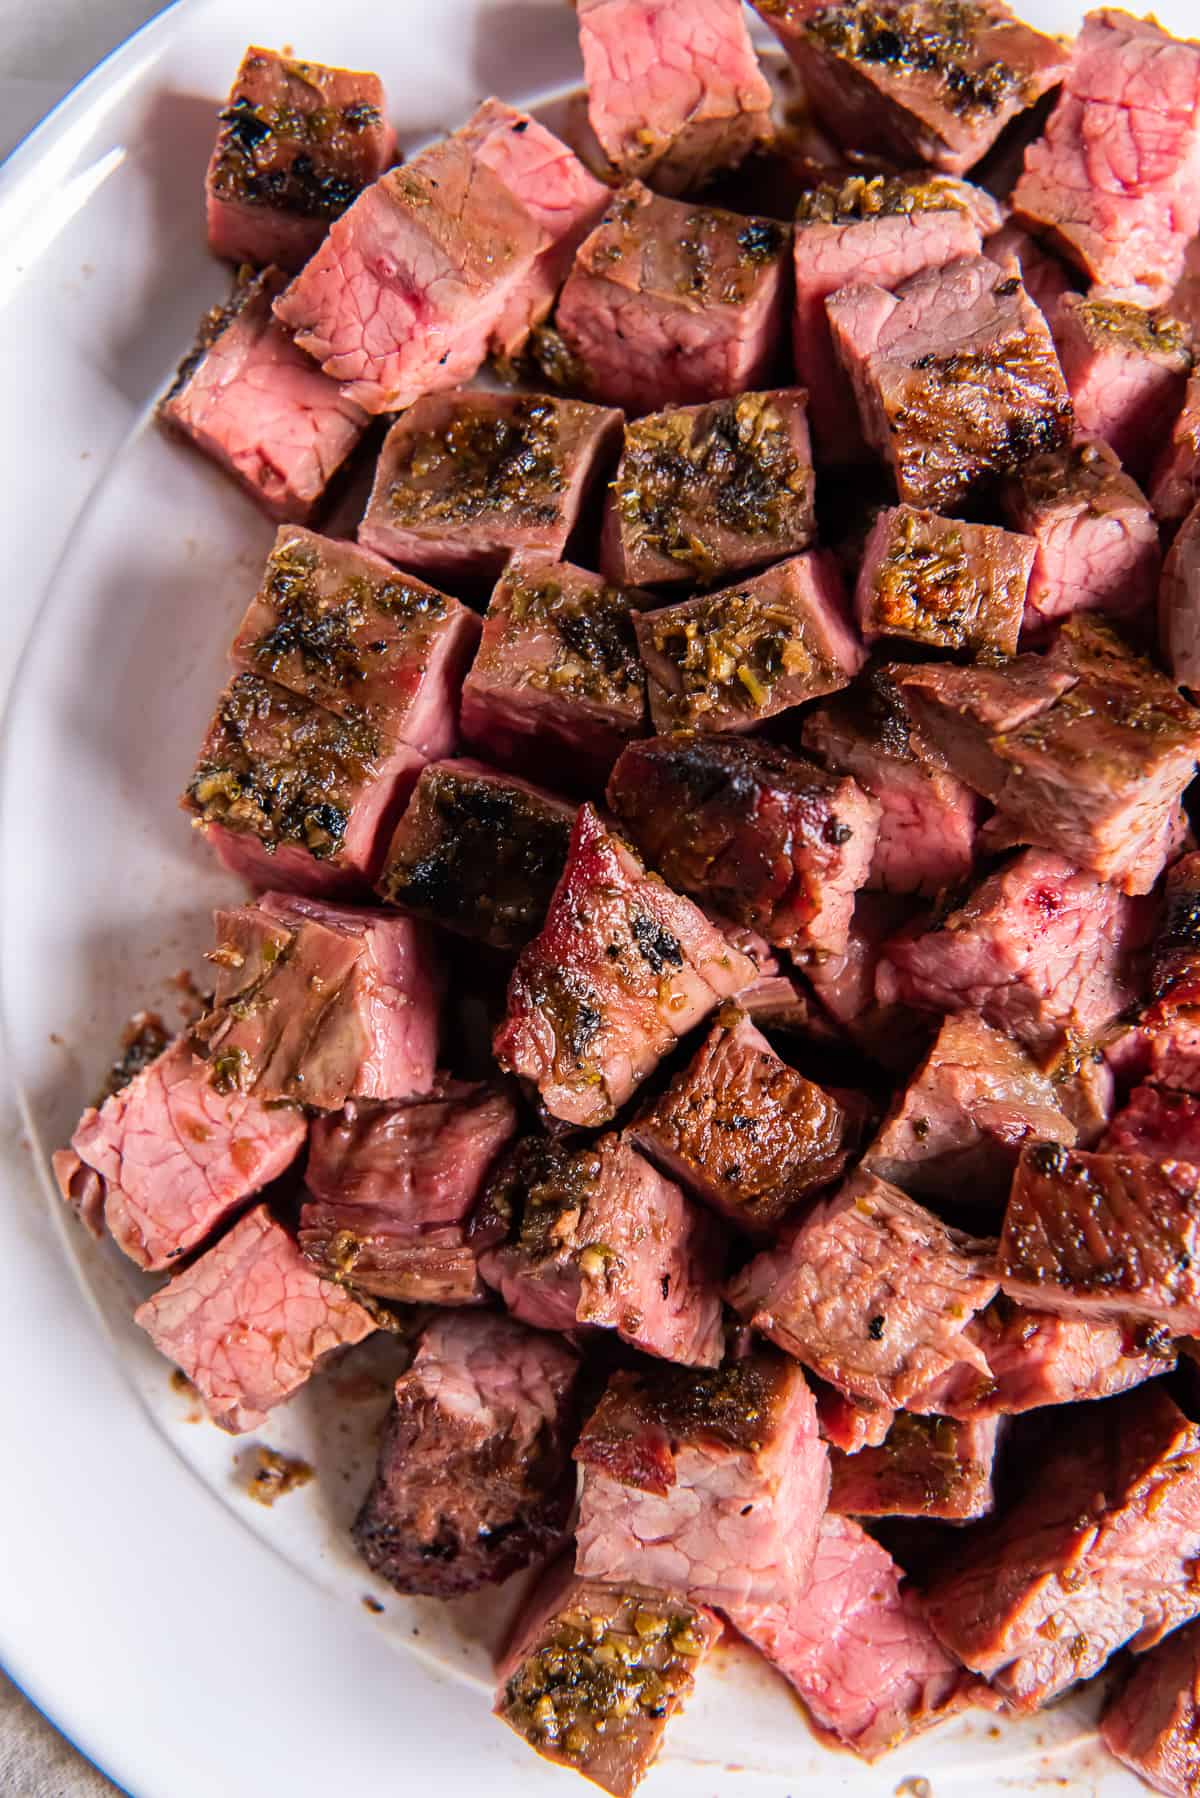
(721, 975)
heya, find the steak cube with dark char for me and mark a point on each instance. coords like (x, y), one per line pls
(672, 304)
(296, 143)
(744, 1131)
(474, 1478)
(557, 682)
(926, 1467)
(249, 1321)
(593, 1673)
(1175, 488)
(478, 852)
(248, 398)
(1179, 605)
(709, 1484)
(956, 378)
(943, 584)
(1152, 1723)
(169, 1157)
(1098, 1551)
(924, 80)
(873, 1293)
(621, 969)
(761, 835)
(1127, 367)
(704, 492)
(1115, 181)
(594, 1237)
(731, 660)
(391, 1188)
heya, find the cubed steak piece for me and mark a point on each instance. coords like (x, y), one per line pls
(1097, 542)
(1175, 969)
(873, 1292)
(558, 682)
(1105, 1235)
(761, 835)
(943, 584)
(955, 375)
(854, 1645)
(621, 969)
(673, 95)
(1115, 181)
(956, 1131)
(1175, 488)
(249, 1321)
(593, 1674)
(882, 228)
(1127, 367)
(1179, 605)
(709, 1484)
(170, 1156)
(850, 1424)
(744, 1131)
(391, 1188)
(1038, 1358)
(321, 1003)
(464, 479)
(1039, 950)
(730, 660)
(671, 304)
(1098, 1551)
(478, 852)
(296, 144)
(474, 1479)
(705, 492)
(927, 817)
(410, 282)
(251, 401)
(1152, 1723)
(929, 81)
(292, 796)
(593, 1236)
(926, 1467)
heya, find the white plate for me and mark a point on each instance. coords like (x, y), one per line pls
(140, 1602)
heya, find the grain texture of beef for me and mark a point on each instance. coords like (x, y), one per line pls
(1038, 1358)
(296, 143)
(956, 1131)
(709, 1484)
(1152, 1724)
(464, 479)
(1127, 367)
(1087, 752)
(621, 969)
(744, 1131)
(249, 1321)
(1115, 181)
(594, 1673)
(1046, 278)
(1179, 605)
(474, 1477)
(557, 683)
(671, 304)
(1099, 1551)
(873, 1293)
(562, 1233)
(955, 375)
(247, 398)
(881, 228)
(931, 81)
(169, 1157)
(703, 493)
(762, 835)
(943, 584)
(391, 1188)
(320, 1003)
(1105, 1235)
(342, 628)
(1175, 488)
(673, 95)
(1097, 542)
(730, 660)
(855, 1647)
(1157, 1122)
(927, 1467)
(411, 281)
(850, 1424)
(927, 817)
